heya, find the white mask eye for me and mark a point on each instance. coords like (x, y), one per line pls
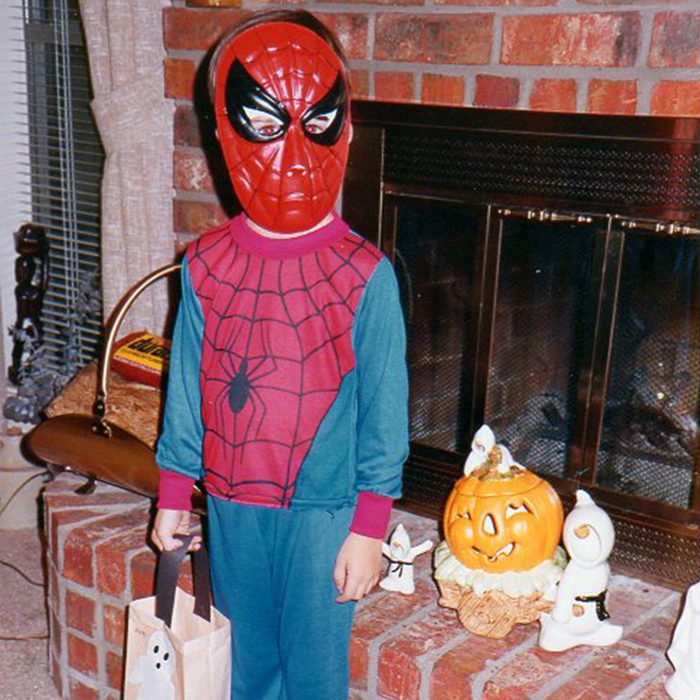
(514, 510)
(321, 122)
(264, 123)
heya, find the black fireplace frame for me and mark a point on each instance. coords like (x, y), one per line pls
(546, 167)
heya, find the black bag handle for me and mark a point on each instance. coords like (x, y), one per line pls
(169, 567)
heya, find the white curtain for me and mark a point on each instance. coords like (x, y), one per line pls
(125, 50)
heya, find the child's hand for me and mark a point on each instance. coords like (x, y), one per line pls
(357, 567)
(170, 523)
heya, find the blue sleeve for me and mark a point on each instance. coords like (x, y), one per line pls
(379, 339)
(180, 445)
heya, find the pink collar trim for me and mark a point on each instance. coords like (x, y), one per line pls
(280, 248)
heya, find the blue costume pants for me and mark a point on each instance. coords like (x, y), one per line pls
(272, 576)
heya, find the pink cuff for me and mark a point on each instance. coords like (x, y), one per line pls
(372, 515)
(174, 491)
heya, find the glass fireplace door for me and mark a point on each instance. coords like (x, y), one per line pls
(650, 442)
(545, 291)
(434, 250)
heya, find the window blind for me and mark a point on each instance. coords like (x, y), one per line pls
(63, 178)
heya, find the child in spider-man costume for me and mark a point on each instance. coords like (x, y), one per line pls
(287, 391)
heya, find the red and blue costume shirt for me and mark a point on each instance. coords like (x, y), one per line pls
(287, 383)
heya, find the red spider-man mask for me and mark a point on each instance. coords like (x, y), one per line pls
(281, 104)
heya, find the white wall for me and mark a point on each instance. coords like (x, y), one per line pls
(14, 194)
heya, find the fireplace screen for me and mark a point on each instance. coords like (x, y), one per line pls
(649, 443)
(434, 257)
(549, 269)
(539, 338)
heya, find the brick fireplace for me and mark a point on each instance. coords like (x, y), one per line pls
(532, 55)
(403, 647)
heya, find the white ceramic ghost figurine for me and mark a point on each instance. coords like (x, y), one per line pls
(483, 448)
(579, 615)
(684, 651)
(401, 555)
(482, 443)
(154, 669)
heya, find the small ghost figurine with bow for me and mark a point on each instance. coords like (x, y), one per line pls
(485, 452)
(579, 615)
(401, 555)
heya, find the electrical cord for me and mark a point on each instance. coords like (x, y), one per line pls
(20, 487)
(21, 573)
(31, 637)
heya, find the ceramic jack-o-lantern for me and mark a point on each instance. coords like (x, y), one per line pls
(501, 517)
(500, 556)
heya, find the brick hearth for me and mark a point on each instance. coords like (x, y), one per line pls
(403, 647)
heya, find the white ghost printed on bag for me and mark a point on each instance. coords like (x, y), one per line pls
(154, 669)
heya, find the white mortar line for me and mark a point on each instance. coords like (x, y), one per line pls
(631, 691)
(376, 643)
(645, 87)
(369, 50)
(494, 665)
(428, 661)
(561, 8)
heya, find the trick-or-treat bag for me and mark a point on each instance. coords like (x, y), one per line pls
(178, 646)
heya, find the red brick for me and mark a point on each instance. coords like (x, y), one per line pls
(197, 29)
(394, 86)
(351, 30)
(495, 91)
(612, 96)
(115, 670)
(457, 39)
(78, 547)
(605, 39)
(186, 127)
(675, 40)
(509, 3)
(655, 689)
(80, 612)
(381, 2)
(379, 612)
(191, 172)
(64, 517)
(609, 673)
(82, 656)
(114, 624)
(80, 691)
(676, 99)
(112, 557)
(359, 84)
(656, 632)
(556, 95)
(529, 671)
(143, 570)
(197, 217)
(442, 89)
(359, 662)
(179, 78)
(452, 672)
(399, 670)
(630, 598)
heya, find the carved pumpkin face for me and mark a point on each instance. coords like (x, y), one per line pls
(503, 523)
